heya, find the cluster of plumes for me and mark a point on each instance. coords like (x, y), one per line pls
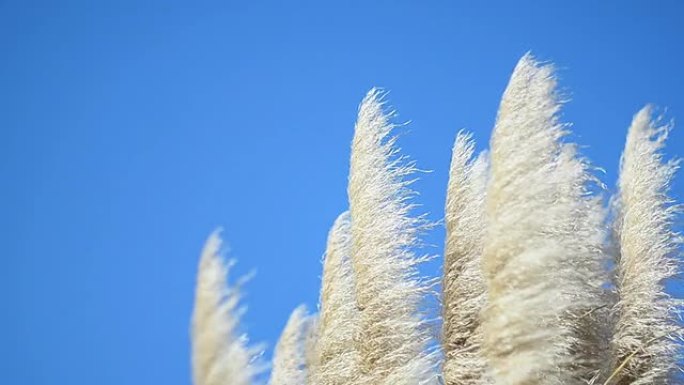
(542, 283)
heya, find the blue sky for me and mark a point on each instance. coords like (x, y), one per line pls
(132, 129)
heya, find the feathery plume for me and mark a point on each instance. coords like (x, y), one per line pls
(392, 338)
(584, 234)
(219, 355)
(647, 324)
(538, 270)
(336, 360)
(463, 285)
(290, 357)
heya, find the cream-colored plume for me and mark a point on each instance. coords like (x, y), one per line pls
(290, 358)
(220, 356)
(542, 252)
(392, 338)
(646, 350)
(463, 289)
(336, 357)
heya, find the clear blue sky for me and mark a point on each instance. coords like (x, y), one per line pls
(131, 129)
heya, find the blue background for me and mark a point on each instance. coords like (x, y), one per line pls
(130, 130)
